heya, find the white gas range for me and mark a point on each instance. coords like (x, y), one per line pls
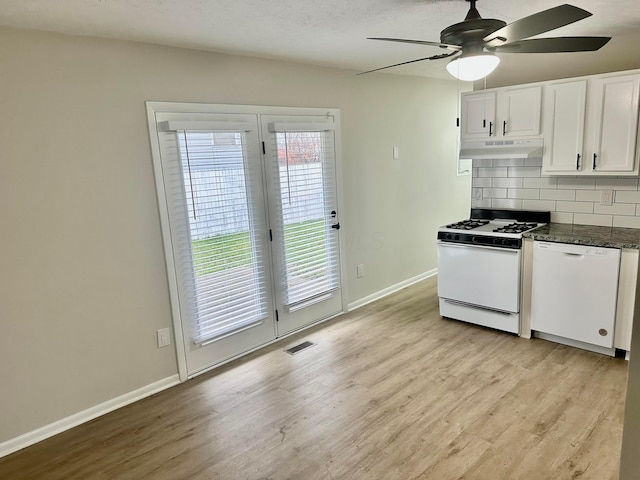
(479, 265)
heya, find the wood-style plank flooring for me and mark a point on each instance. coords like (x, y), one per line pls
(390, 391)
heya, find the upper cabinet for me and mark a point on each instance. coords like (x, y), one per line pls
(613, 127)
(519, 112)
(506, 112)
(591, 126)
(564, 116)
(478, 113)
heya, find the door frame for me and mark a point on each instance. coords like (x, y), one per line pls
(152, 108)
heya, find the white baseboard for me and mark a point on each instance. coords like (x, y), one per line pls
(392, 289)
(59, 426)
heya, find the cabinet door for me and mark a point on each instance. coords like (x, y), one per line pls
(614, 123)
(564, 109)
(519, 112)
(478, 115)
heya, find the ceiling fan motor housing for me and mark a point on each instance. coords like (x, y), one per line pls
(470, 32)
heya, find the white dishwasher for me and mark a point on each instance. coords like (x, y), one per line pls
(574, 294)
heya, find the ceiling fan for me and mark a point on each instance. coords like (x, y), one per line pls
(474, 41)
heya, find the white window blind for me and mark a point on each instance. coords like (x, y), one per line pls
(304, 173)
(219, 257)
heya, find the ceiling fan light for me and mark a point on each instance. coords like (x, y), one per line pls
(473, 67)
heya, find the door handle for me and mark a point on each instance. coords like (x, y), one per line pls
(336, 226)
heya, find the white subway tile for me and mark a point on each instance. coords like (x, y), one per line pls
(484, 203)
(589, 219)
(476, 193)
(615, 209)
(508, 162)
(553, 194)
(481, 182)
(588, 195)
(533, 162)
(507, 182)
(544, 205)
(492, 172)
(624, 196)
(524, 171)
(617, 183)
(506, 203)
(528, 193)
(638, 209)
(576, 207)
(542, 182)
(494, 193)
(484, 162)
(561, 217)
(626, 222)
(577, 183)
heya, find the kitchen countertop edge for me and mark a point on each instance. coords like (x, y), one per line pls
(591, 235)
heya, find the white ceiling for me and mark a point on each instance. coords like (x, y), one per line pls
(322, 32)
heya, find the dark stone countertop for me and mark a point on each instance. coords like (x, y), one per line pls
(612, 237)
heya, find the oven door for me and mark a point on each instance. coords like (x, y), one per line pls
(485, 276)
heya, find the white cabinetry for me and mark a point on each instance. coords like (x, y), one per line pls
(519, 112)
(613, 126)
(506, 112)
(564, 113)
(591, 126)
(478, 115)
(625, 307)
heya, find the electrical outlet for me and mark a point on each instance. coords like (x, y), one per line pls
(606, 197)
(396, 153)
(360, 271)
(164, 339)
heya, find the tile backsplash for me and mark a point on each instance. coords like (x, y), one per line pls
(519, 184)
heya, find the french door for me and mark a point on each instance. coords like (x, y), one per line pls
(251, 227)
(303, 207)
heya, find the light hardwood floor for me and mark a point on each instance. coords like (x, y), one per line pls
(390, 391)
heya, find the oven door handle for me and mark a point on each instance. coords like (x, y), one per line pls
(483, 247)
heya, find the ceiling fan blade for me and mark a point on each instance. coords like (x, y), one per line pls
(419, 42)
(537, 23)
(553, 45)
(433, 57)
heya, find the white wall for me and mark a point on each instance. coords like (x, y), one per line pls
(83, 285)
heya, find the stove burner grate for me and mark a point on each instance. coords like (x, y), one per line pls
(467, 224)
(516, 227)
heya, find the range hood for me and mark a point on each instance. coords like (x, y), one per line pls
(502, 149)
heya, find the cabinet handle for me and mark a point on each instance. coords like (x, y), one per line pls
(484, 123)
(490, 128)
(578, 162)
(504, 128)
(594, 160)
